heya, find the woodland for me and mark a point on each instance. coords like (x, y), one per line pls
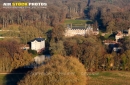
(89, 51)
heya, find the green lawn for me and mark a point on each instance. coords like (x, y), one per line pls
(9, 33)
(109, 78)
(2, 33)
(79, 22)
(10, 79)
(2, 79)
(94, 78)
(107, 36)
(14, 27)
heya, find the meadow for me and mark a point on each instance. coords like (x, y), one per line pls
(77, 22)
(94, 78)
(109, 78)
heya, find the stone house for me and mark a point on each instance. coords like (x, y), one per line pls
(37, 44)
(80, 30)
(118, 36)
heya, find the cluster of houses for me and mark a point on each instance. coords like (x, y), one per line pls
(120, 34)
(115, 44)
(38, 44)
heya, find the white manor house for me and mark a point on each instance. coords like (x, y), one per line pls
(37, 44)
(80, 30)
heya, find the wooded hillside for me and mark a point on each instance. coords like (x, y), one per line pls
(110, 14)
(56, 12)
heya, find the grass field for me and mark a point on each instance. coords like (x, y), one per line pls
(108, 37)
(109, 78)
(2, 79)
(69, 21)
(10, 79)
(14, 27)
(96, 78)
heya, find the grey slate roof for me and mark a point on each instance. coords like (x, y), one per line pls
(38, 39)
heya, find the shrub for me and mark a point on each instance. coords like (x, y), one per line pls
(58, 71)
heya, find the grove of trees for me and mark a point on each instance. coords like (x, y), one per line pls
(92, 52)
(56, 12)
(111, 14)
(12, 57)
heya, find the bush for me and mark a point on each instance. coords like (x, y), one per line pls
(58, 71)
(34, 52)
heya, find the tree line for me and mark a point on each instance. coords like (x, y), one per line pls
(56, 12)
(111, 15)
(12, 57)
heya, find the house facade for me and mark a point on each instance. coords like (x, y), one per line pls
(38, 44)
(80, 30)
(129, 32)
(118, 36)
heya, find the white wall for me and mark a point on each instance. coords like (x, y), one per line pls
(71, 32)
(35, 45)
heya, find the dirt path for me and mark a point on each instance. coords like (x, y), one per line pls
(12, 73)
